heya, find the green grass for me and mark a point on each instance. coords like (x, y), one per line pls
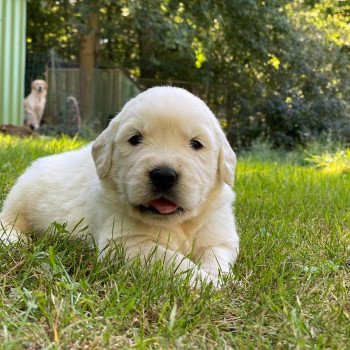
(290, 287)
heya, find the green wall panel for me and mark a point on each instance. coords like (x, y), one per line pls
(12, 60)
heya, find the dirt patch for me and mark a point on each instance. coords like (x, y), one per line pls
(21, 131)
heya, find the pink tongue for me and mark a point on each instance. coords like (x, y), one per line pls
(163, 205)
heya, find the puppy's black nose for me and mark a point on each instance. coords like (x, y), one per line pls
(163, 178)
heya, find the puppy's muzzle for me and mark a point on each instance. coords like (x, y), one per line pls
(163, 178)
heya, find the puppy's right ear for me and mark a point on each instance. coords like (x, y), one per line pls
(102, 149)
(227, 160)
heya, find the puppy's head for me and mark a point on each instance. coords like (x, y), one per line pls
(164, 153)
(39, 86)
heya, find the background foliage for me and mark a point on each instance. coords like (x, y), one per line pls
(276, 70)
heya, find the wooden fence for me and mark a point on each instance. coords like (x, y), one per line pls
(112, 88)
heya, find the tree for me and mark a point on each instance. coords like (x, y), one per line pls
(87, 55)
(270, 69)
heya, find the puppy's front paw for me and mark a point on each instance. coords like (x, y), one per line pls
(201, 277)
(11, 236)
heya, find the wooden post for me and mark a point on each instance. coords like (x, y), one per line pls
(87, 64)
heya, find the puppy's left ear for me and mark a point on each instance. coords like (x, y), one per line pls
(102, 149)
(227, 160)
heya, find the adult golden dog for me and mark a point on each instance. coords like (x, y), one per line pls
(34, 104)
(157, 180)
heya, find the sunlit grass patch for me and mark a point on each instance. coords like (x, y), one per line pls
(332, 163)
(41, 144)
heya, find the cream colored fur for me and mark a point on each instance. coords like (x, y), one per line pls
(34, 104)
(104, 183)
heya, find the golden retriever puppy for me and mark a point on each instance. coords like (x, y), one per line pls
(157, 180)
(34, 104)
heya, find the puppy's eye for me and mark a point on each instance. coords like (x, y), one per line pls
(196, 145)
(135, 140)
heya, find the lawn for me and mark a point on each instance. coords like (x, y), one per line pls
(290, 287)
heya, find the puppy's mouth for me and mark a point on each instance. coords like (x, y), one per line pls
(162, 206)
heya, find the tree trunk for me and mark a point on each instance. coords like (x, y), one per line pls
(146, 36)
(147, 57)
(87, 55)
